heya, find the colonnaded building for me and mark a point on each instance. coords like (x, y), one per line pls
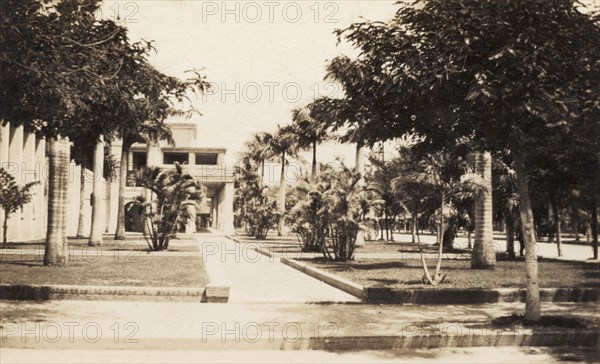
(23, 154)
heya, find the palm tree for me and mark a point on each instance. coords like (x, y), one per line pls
(380, 182)
(149, 132)
(81, 218)
(58, 189)
(310, 132)
(283, 143)
(484, 254)
(97, 227)
(258, 149)
(176, 192)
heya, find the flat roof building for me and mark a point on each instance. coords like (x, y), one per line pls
(24, 155)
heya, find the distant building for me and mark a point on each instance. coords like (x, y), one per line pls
(24, 156)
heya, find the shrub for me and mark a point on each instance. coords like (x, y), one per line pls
(173, 192)
(261, 218)
(326, 219)
(310, 222)
(342, 235)
(12, 197)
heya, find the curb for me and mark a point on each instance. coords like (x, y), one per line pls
(231, 237)
(444, 296)
(477, 338)
(265, 252)
(219, 287)
(335, 281)
(58, 292)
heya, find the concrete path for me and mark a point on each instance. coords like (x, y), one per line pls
(126, 325)
(258, 278)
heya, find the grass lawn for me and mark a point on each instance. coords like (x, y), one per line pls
(106, 270)
(136, 243)
(390, 247)
(408, 273)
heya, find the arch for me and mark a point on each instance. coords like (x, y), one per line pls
(134, 218)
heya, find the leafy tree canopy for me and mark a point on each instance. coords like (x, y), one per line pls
(502, 73)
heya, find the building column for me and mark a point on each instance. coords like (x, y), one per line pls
(28, 174)
(226, 209)
(4, 148)
(40, 197)
(153, 155)
(215, 211)
(15, 158)
(190, 222)
(4, 143)
(153, 159)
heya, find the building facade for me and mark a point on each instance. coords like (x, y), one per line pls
(23, 155)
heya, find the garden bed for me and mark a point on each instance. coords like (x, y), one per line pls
(408, 273)
(119, 270)
(391, 247)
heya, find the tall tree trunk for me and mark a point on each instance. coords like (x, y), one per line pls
(5, 229)
(557, 227)
(533, 309)
(282, 187)
(469, 239)
(441, 227)
(97, 197)
(387, 226)
(484, 254)
(595, 225)
(413, 230)
(81, 221)
(575, 223)
(510, 233)
(123, 167)
(595, 210)
(550, 233)
(360, 163)
(313, 174)
(437, 277)
(55, 253)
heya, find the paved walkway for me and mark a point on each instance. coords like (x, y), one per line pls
(244, 326)
(258, 278)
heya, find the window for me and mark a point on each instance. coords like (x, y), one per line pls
(138, 160)
(207, 159)
(171, 158)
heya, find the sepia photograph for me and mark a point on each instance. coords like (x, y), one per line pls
(299, 181)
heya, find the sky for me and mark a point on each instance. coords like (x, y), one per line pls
(264, 58)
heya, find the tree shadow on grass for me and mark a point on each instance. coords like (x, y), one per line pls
(25, 264)
(384, 282)
(371, 266)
